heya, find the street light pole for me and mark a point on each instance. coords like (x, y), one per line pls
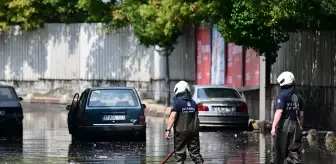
(262, 91)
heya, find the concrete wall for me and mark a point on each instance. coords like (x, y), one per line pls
(64, 58)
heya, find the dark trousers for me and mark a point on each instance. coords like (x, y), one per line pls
(286, 145)
(190, 141)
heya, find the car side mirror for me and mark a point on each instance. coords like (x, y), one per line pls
(68, 107)
(143, 106)
(20, 98)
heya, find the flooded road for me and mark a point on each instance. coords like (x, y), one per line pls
(46, 140)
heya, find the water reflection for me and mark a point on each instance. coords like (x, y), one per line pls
(10, 151)
(45, 137)
(46, 140)
(112, 152)
(317, 154)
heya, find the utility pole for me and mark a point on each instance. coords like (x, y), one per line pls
(262, 91)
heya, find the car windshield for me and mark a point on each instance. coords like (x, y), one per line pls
(204, 93)
(7, 93)
(113, 98)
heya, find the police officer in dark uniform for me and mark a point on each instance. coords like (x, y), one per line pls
(184, 118)
(288, 119)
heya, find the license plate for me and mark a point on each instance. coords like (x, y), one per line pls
(222, 109)
(2, 112)
(113, 117)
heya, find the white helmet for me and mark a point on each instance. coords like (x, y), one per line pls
(286, 78)
(181, 86)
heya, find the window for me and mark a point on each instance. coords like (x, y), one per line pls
(113, 98)
(217, 93)
(7, 93)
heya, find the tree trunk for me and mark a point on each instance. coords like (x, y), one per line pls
(166, 51)
(167, 78)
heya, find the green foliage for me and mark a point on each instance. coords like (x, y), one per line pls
(32, 14)
(254, 25)
(259, 24)
(160, 22)
(264, 24)
(19, 12)
(96, 10)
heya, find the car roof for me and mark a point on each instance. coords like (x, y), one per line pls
(111, 87)
(213, 86)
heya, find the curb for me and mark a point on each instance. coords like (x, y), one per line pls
(156, 110)
(47, 100)
(262, 126)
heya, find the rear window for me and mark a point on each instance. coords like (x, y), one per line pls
(217, 93)
(113, 98)
(7, 94)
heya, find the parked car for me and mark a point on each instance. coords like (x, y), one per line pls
(11, 113)
(107, 111)
(220, 106)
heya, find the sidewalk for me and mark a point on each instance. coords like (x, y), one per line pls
(153, 109)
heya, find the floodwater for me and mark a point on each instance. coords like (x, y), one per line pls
(46, 140)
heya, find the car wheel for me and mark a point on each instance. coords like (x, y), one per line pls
(75, 137)
(142, 137)
(246, 128)
(16, 133)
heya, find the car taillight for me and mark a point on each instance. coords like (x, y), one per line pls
(201, 107)
(142, 119)
(242, 108)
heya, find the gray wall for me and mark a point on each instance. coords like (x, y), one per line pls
(311, 56)
(181, 63)
(69, 58)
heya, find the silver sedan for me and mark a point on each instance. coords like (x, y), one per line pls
(220, 106)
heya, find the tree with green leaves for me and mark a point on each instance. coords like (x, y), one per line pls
(264, 25)
(33, 14)
(18, 12)
(160, 22)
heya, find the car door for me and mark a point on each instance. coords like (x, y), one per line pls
(71, 114)
(81, 109)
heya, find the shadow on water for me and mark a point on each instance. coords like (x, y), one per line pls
(11, 151)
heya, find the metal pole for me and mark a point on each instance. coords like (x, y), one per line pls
(262, 90)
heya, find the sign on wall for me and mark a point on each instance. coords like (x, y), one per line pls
(218, 58)
(203, 55)
(252, 64)
(234, 65)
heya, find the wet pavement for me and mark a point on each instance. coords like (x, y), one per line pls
(46, 140)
